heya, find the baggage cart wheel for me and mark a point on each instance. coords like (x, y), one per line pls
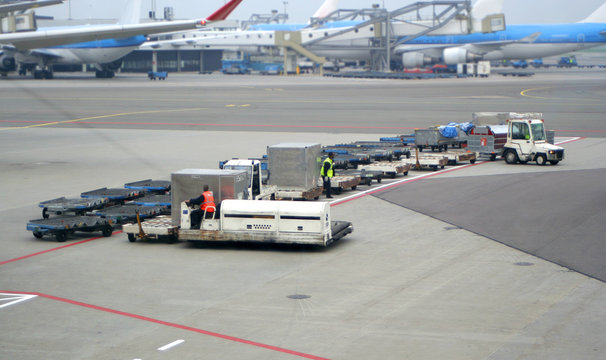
(493, 157)
(172, 239)
(61, 236)
(37, 234)
(45, 213)
(131, 237)
(107, 231)
(472, 161)
(354, 187)
(554, 162)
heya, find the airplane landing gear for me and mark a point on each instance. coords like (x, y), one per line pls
(43, 74)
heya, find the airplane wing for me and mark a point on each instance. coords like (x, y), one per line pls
(26, 5)
(477, 48)
(54, 37)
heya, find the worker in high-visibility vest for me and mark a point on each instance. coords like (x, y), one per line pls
(206, 202)
(327, 172)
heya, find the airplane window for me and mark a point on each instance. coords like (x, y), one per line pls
(325, 34)
(356, 30)
(183, 36)
(310, 35)
(372, 29)
(271, 36)
(259, 36)
(248, 36)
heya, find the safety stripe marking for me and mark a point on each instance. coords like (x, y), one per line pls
(174, 325)
(171, 345)
(53, 249)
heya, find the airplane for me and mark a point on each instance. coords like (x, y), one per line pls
(89, 44)
(516, 42)
(14, 6)
(336, 39)
(511, 43)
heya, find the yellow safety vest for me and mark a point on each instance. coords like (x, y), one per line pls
(330, 170)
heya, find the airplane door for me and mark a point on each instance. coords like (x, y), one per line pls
(581, 38)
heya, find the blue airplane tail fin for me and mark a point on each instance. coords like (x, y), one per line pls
(598, 16)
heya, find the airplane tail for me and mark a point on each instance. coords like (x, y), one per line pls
(598, 16)
(132, 13)
(327, 7)
(224, 11)
(483, 8)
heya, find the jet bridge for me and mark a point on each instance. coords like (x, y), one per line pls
(391, 28)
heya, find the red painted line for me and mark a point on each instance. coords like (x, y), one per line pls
(53, 249)
(585, 131)
(174, 325)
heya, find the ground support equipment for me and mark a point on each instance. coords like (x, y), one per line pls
(366, 176)
(153, 200)
(338, 183)
(389, 169)
(61, 226)
(121, 214)
(428, 162)
(160, 227)
(157, 186)
(116, 196)
(455, 157)
(75, 206)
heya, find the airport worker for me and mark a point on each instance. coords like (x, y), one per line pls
(206, 202)
(327, 172)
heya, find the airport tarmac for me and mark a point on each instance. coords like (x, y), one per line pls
(483, 261)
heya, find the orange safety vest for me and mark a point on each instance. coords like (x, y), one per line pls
(209, 201)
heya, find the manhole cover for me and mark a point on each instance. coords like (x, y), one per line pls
(523, 263)
(298, 296)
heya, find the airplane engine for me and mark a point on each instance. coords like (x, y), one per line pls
(415, 59)
(7, 63)
(459, 56)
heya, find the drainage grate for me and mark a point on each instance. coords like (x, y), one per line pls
(298, 296)
(523, 263)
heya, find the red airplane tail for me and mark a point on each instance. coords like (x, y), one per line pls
(224, 11)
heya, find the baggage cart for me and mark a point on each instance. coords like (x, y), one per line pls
(432, 138)
(389, 169)
(338, 183)
(61, 226)
(160, 227)
(366, 176)
(116, 196)
(160, 75)
(75, 206)
(121, 214)
(149, 185)
(153, 200)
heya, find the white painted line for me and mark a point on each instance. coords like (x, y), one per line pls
(16, 298)
(567, 140)
(395, 183)
(171, 345)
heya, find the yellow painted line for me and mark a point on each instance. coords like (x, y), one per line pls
(525, 92)
(101, 117)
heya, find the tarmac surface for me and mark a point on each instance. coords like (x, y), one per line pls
(482, 261)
